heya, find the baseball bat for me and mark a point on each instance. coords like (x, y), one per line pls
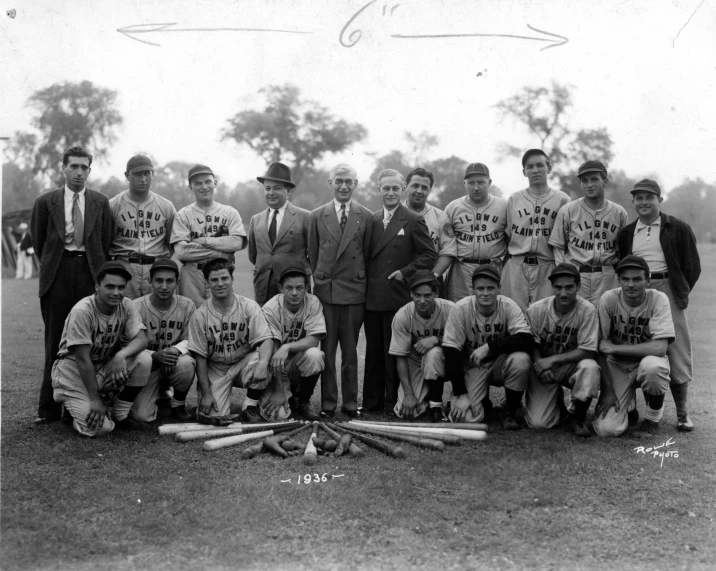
(395, 451)
(310, 454)
(466, 434)
(210, 445)
(251, 451)
(169, 429)
(448, 439)
(415, 441)
(227, 431)
(354, 450)
(450, 425)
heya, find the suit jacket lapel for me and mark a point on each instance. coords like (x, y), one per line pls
(352, 225)
(396, 223)
(289, 217)
(331, 221)
(58, 212)
(91, 209)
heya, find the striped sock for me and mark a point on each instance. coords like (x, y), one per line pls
(680, 394)
(434, 404)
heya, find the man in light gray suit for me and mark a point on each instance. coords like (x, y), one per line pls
(338, 243)
(278, 236)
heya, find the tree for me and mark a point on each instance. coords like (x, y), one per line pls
(694, 202)
(292, 130)
(19, 188)
(67, 115)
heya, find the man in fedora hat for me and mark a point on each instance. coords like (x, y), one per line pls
(278, 236)
(202, 231)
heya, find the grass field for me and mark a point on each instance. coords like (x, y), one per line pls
(525, 500)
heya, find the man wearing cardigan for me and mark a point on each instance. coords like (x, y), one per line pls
(669, 247)
(71, 234)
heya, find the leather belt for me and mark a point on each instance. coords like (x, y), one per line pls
(529, 260)
(591, 269)
(481, 262)
(74, 254)
(659, 276)
(140, 259)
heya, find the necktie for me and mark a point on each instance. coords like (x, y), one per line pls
(386, 220)
(77, 220)
(344, 218)
(272, 227)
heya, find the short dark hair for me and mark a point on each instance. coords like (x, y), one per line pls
(533, 152)
(604, 176)
(153, 271)
(76, 152)
(434, 286)
(294, 274)
(217, 264)
(420, 172)
(104, 272)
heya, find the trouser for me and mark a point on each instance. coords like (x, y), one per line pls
(140, 284)
(193, 285)
(592, 286)
(224, 376)
(380, 380)
(24, 268)
(650, 373)
(459, 283)
(511, 371)
(70, 391)
(679, 352)
(180, 378)
(343, 323)
(298, 367)
(524, 283)
(72, 282)
(542, 399)
(429, 368)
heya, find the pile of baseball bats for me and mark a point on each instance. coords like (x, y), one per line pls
(279, 438)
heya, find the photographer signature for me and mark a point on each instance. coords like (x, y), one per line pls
(659, 451)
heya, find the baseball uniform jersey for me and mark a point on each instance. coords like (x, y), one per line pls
(557, 334)
(142, 229)
(192, 222)
(624, 324)
(529, 223)
(479, 234)
(588, 239)
(439, 228)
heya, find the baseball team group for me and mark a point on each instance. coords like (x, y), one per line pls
(534, 294)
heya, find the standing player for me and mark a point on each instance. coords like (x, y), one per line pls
(297, 324)
(487, 342)
(142, 225)
(635, 330)
(202, 231)
(166, 317)
(418, 330)
(478, 222)
(24, 252)
(566, 331)
(278, 236)
(418, 186)
(586, 231)
(102, 366)
(674, 267)
(530, 217)
(232, 345)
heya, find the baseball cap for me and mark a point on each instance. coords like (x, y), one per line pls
(486, 271)
(564, 270)
(632, 262)
(476, 168)
(422, 277)
(114, 267)
(292, 270)
(199, 169)
(647, 185)
(164, 264)
(591, 166)
(139, 163)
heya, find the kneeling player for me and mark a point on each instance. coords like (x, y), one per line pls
(487, 342)
(566, 330)
(232, 345)
(166, 317)
(102, 366)
(297, 324)
(416, 340)
(635, 330)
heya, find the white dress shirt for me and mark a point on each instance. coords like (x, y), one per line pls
(69, 224)
(279, 217)
(337, 205)
(646, 244)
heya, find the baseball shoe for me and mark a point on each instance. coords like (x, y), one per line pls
(684, 423)
(251, 415)
(510, 422)
(646, 429)
(436, 414)
(304, 411)
(633, 416)
(180, 414)
(130, 424)
(328, 414)
(581, 429)
(351, 413)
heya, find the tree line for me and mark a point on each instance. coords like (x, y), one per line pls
(305, 134)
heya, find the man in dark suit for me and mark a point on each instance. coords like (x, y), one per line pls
(400, 245)
(71, 234)
(338, 243)
(278, 236)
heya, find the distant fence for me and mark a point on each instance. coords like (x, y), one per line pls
(10, 222)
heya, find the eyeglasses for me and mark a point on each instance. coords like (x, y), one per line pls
(340, 182)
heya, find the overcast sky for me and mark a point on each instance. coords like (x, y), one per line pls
(654, 91)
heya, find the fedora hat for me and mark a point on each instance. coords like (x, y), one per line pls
(278, 172)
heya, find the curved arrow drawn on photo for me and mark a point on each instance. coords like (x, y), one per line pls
(554, 43)
(132, 31)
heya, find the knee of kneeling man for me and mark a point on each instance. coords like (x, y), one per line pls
(107, 427)
(589, 365)
(520, 361)
(608, 427)
(653, 365)
(144, 360)
(314, 354)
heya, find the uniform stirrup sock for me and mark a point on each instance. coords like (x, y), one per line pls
(253, 394)
(513, 401)
(654, 407)
(128, 394)
(652, 414)
(250, 402)
(680, 394)
(178, 398)
(435, 390)
(174, 403)
(580, 409)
